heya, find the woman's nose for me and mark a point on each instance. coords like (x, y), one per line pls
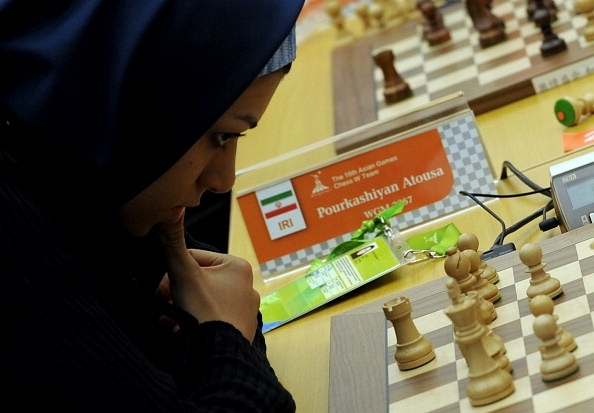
(221, 171)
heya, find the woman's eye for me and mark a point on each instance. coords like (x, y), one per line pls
(223, 138)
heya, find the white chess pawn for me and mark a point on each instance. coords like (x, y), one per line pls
(362, 11)
(543, 304)
(457, 266)
(468, 240)
(541, 282)
(333, 9)
(485, 289)
(557, 363)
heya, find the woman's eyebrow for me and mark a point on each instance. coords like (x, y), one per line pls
(249, 119)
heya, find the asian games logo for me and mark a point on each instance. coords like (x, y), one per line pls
(319, 186)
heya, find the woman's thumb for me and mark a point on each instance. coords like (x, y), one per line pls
(172, 237)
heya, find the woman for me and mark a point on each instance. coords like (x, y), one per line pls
(117, 116)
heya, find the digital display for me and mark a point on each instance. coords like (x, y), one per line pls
(581, 193)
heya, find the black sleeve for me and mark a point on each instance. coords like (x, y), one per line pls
(61, 351)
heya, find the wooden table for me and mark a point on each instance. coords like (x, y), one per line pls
(524, 133)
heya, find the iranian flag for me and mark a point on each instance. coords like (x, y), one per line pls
(280, 209)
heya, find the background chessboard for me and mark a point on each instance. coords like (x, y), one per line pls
(489, 77)
(364, 375)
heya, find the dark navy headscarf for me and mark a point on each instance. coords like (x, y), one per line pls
(120, 89)
(98, 98)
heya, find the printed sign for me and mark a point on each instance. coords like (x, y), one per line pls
(335, 199)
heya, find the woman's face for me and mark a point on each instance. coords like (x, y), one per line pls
(209, 165)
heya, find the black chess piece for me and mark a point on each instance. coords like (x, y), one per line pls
(434, 30)
(551, 43)
(395, 87)
(491, 28)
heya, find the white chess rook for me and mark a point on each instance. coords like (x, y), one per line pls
(412, 348)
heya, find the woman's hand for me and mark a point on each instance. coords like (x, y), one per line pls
(208, 285)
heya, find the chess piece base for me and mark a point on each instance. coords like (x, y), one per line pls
(557, 369)
(553, 47)
(403, 359)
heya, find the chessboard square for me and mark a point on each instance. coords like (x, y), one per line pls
(435, 399)
(585, 349)
(460, 54)
(503, 8)
(459, 36)
(569, 35)
(404, 65)
(399, 46)
(572, 309)
(584, 354)
(455, 17)
(418, 84)
(533, 361)
(444, 356)
(507, 48)
(509, 331)
(504, 70)
(516, 352)
(586, 268)
(563, 16)
(531, 31)
(461, 367)
(585, 249)
(527, 325)
(512, 28)
(392, 110)
(562, 395)
(520, 13)
(522, 287)
(432, 321)
(567, 273)
(506, 277)
(521, 393)
(579, 22)
(508, 293)
(588, 281)
(506, 313)
(453, 78)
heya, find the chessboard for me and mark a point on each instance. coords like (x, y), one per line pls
(489, 77)
(364, 376)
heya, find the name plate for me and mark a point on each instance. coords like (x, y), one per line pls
(295, 219)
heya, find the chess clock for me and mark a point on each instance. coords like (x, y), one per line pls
(572, 189)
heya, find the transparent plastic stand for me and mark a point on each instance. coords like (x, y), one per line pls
(299, 206)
